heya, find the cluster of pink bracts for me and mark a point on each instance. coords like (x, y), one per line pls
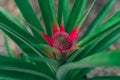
(61, 40)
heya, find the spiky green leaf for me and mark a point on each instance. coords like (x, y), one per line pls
(100, 17)
(28, 13)
(8, 48)
(89, 62)
(76, 14)
(48, 14)
(10, 66)
(63, 11)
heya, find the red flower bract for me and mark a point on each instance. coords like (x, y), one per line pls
(61, 40)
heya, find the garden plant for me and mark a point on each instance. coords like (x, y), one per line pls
(53, 50)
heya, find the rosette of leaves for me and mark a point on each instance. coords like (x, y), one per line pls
(52, 52)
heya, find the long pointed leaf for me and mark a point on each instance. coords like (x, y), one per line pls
(7, 46)
(6, 16)
(97, 46)
(9, 66)
(82, 19)
(29, 15)
(24, 40)
(99, 18)
(20, 41)
(17, 29)
(110, 37)
(86, 13)
(8, 19)
(20, 74)
(63, 11)
(48, 14)
(114, 20)
(91, 61)
(76, 14)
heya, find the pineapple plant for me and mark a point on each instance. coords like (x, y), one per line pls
(54, 51)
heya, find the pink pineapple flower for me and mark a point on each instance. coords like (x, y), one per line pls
(61, 40)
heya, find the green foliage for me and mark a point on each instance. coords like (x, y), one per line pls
(16, 68)
(91, 61)
(76, 14)
(38, 61)
(100, 17)
(48, 14)
(30, 17)
(63, 11)
(7, 46)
